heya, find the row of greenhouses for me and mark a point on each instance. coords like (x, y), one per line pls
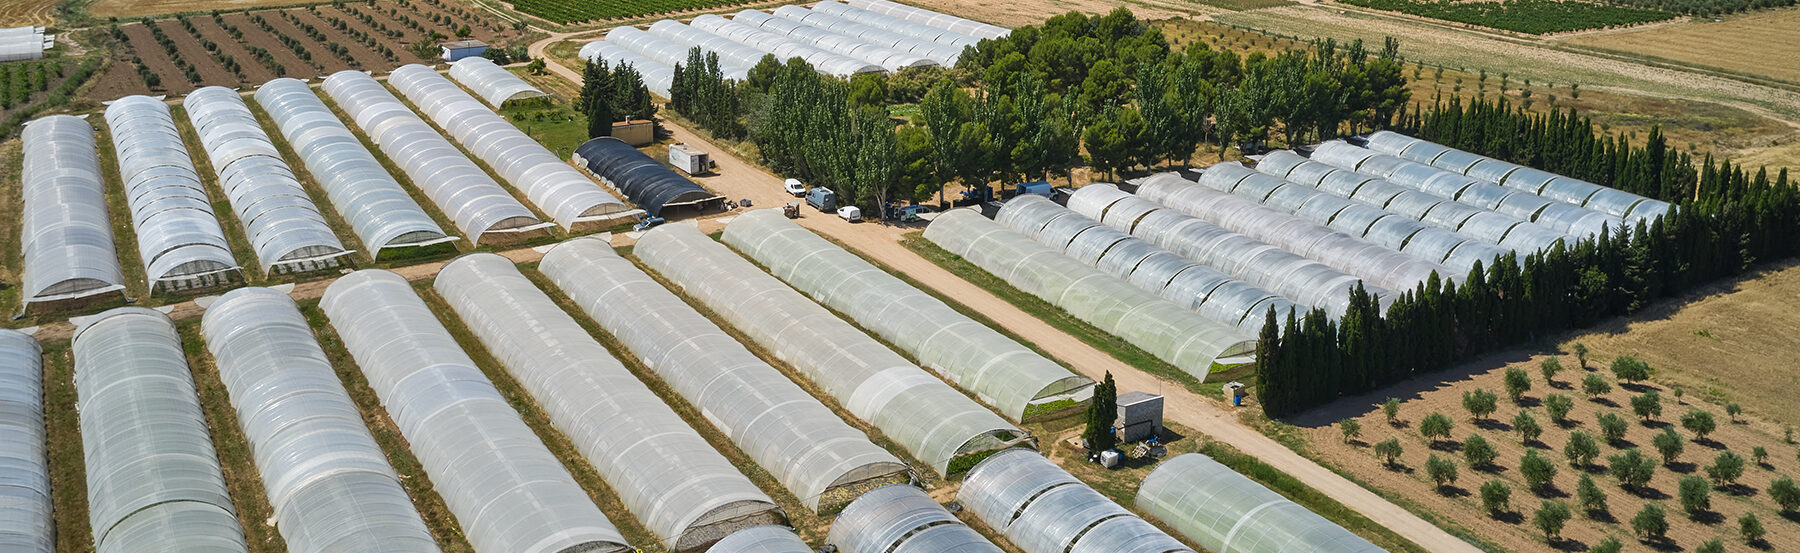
(27, 524)
(178, 235)
(493, 83)
(1632, 208)
(1042, 508)
(67, 240)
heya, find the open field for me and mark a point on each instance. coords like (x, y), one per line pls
(141, 8)
(1536, 17)
(1743, 43)
(19, 13)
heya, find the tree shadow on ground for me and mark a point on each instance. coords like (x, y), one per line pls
(1452, 490)
(1492, 425)
(1708, 517)
(1510, 517)
(1602, 515)
(1681, 467)
(1568, 544)
(1661, 544)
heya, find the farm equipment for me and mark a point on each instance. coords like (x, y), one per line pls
(791, 210)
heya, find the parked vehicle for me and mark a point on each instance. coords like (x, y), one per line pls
(647, 223)
(791, 210)
(795, 187)
(689, 159)
(1040, 188)
(850, 213)
(911, 213)
(822, 199)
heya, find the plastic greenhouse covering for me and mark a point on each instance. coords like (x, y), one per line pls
(802, 443)
(619, 425)
(1375, 264)
(1183, 338)
(26, 525)
(903, 519)
(829, 40)
(460, 188)
(920, 412)
(672, 52)
(943, 21)
(508, 492)
(329, 483)
(657, 77)
(1187, 283)
(67, 240)
(941, 53)
(1593, 197)
(1226, 512)
(823, 61)
(285, 229)
(556, 188)
(980, 360)
(731, 54)
(1520, 204)
(761, 539)
(650, 184)
(178, 236)
(153, 480)
(24, 43)
(1044, 509)
(952, 39)
(492, 82)
(381, 213)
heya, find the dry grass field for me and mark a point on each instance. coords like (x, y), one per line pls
(141, 8)
(18, 13)
(1760, 43)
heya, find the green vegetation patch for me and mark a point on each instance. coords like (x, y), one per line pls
(575, 11)
(1526, 16)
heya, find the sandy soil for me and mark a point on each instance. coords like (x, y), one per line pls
(1742, 43)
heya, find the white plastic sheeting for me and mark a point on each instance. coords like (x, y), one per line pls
(464, 192)
(492, 82)
(153, 480)
(657, 77)
(285, 229)
(619, 425)
(329, 483)
(1618, 203)
(67, 235)
(26, 524)
(1226, 512)
(943, 54)
(975, 29)
(24, 43)
(829, 40)
(731, 54)
(945, 37)
(823, 61)
(1189, 284)
(1170, 332)
(381, 213)
(761, 539)
(789, 433)
(556, 188)
(977, 358)
(178, 236)
(920, 412)
(672, 51)
(903, 519)
(1044, 509)
(509, 493)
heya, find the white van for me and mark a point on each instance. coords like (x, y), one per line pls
(850, 213)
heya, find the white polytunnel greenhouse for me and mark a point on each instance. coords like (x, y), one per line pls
(822, 60)
(803, 444)
(1445, 200)
(67, 240)
(1227, 512)
(952, 39)
(153, 479)
(657, 77)
(673, 52)
(462, 190)
(975, 29)
(509, 493)
(829, 40)
(1333, 203)
(285, 229)
(26, 524)
(731, 54)
(979, 359)
(943, 54)
(558, 190)
(914, 408)
(627, 432)
(1192, 343)
(1178, 279)
(903, 519)
(650, 184)
(178, 236)
(493, 83)
(1631, 207)
(24, 43)
(381, 213)
(761, 539)
(328, 481)
(1044, 509)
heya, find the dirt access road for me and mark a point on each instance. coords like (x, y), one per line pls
(737, 178)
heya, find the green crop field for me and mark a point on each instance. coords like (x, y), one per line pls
(575, 11)
(1526, 16)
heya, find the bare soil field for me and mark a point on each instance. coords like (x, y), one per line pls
(19, 13)
(1760, 43)
(211, 72)
(141, 8)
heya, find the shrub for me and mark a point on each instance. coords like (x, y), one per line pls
(1538, 471)
(1647, 405)
(1694, 494)
(1785, 494)
(1496, 497)
(1650, 522)
(1726, 468)
(1581, 351)
(1608, 545)
(1591, 498)
(1558, 406)
(1612, 427)
(1732, 410)
(1711, 546)
(1549, 368)
(1388, 450)
(1751, 528)
(1517, 383)
(1441, 470)
(1478, 452)
(1668, 444)
(1436, 427)
(1581, 449)
(1699, 422)
(1631, 468)
(1550, 517)
(1479, 403)
(1760, 455)
(1527, 426)
(1391, 408)
(1351, 429)
(1630, 369)
(1595, 385)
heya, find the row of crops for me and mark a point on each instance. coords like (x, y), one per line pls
(573, 11)
(1705, 8)
(1526, 16)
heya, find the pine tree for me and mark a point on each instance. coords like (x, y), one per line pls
(1103, 411)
